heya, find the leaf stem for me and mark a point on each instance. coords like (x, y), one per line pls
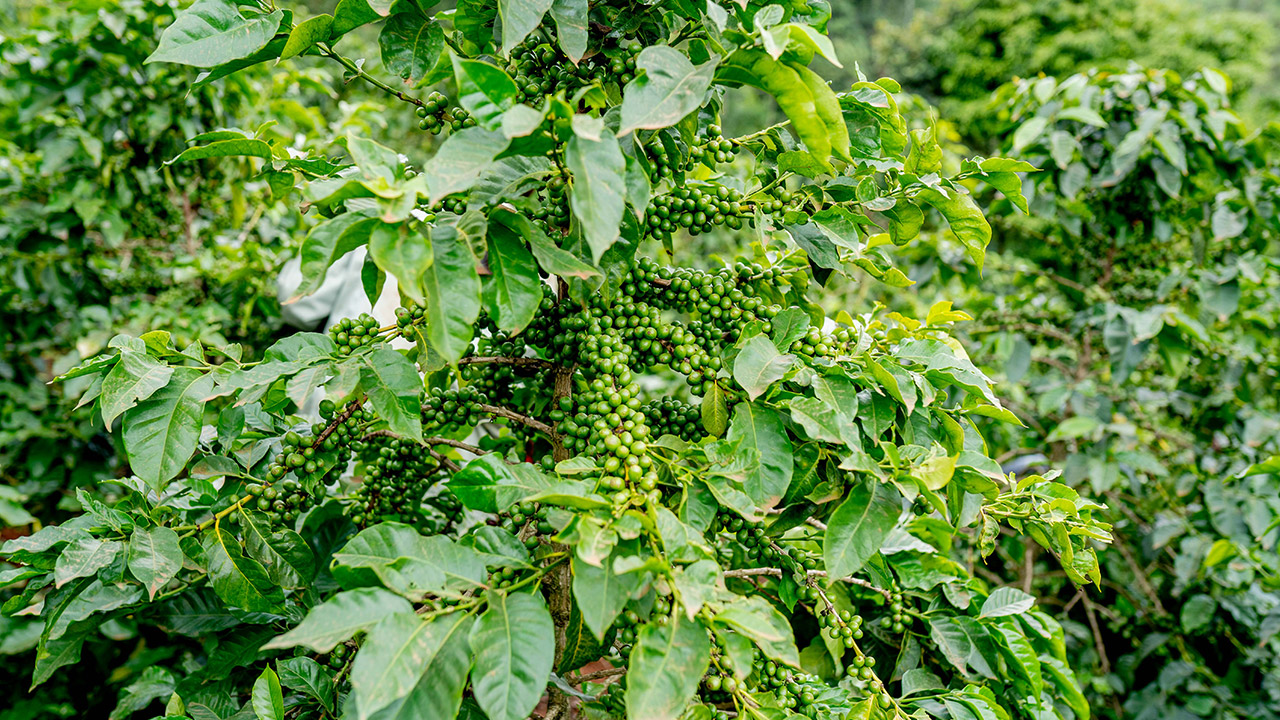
(359, 72)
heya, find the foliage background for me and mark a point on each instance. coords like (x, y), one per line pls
(99, 237)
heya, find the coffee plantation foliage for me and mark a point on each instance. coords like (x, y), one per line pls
(1132, 320)
(692, 492)
(958, 52)
(99, 235)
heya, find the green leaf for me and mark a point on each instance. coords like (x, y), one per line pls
(408, 665)
(397, 556)
(858, 528)
(160, 433)
(411, 45)
(438, 693)
(267, 700)
(754, 67)
(462, 159)
(760, 428)
(238, 147)
(351, 14)
(580, 646)
(83, 558)
(513, 290)
(571, 27)
(513, 644)
(519, 18)
(485, 90)
(452, 287)
(306, 34)
(154, 557)
(1006, 601)
(1197, 613)
(551, 258)
(598, 192)
(285, 556)
(340, 617)
(135, 377)
(305, 675)
(375, 160)
(759, 365)
(329, 241)
(715, 410)
(670, 88)
(601, 593)
(240, 581)
(666, 665)
(788, 326)
(965, 218)
(395, 390)
(402, 253)
(213, 32)
(759, 620)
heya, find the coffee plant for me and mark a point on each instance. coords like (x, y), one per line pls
(1132, 316)
(570, 478)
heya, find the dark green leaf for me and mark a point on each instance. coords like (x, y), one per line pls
(513, 290)
(858, 528)
(395, 390)
(154, 557)
(452, 288)
(411, 45)
(340, 617)
(598, 193)
(393, 667)
(485, 90)
(601, 593)
(759, 428)
(240, 581)
(161, 432)
(267, 699)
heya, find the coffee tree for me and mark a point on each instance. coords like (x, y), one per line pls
(1131, 317)
(571, 478)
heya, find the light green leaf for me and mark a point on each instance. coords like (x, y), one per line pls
(213, 32)
(396, 656)
(403, 254)
(965, 218)
(571, 27)
(759, 365)
(598, 193)
(519, 18)
(462, 159)
(513, 644)
(267, 699)
(83, 558)
(340, 617)
(759, 620)
(670, 88)
(154, 557)
(666, 665)
(1006, 601)
(329, 241)
(135, 377)
(760, 428)
(601, 593)
(306, 34)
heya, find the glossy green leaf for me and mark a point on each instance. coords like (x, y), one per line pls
(239, 580)
(213, 32)
(403, 254)
(519, 18)
(759, 428)
(452, 288)
(306, 34)
(411, 45)
(571, 26)
(329, 241)
(304, 675)
(1006, 601)
(601, 593)
(83, 558)
(513, 290)
(485, 90)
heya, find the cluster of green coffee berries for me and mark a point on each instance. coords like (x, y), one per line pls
(350, 334)
(435, 115)
(540, 69)
(527, 516)
(397, 474)
(843, 626)
(898, 618)
(669, 416)
(455, 408)
(696, 208)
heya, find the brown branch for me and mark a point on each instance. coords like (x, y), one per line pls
(345, 415)
(560, 579)
(444, 460)
(514, 361)
(777, 572)
(525, 420)
(1097, 635)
